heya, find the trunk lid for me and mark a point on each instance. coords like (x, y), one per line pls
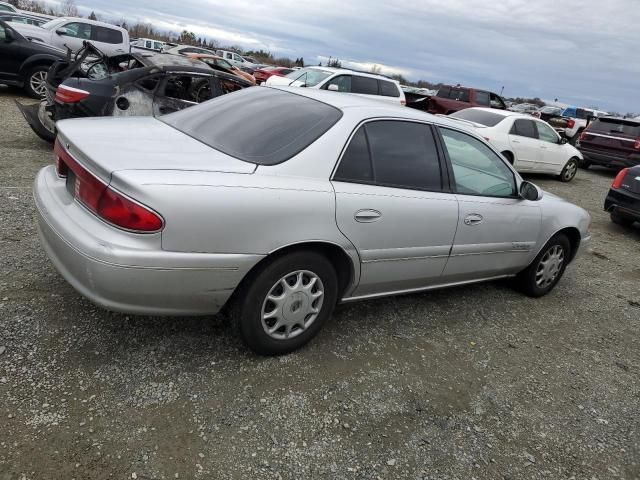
(106, 145)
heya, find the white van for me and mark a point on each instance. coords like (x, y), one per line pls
(72, 32)
(369, 85)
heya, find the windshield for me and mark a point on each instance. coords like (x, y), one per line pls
(224, 123)
(50, 25)
(488, 119)
(309, 76)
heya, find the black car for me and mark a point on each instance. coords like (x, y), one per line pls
(140, 84)
(24, 63)
(623, 200)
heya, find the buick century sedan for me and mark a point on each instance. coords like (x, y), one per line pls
(336, 198)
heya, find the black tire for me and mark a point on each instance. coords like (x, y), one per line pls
(528, 280)
(621, 219)
(37, 71)
(584, 164)
(508, 156)
(247, 309)
(574, 139)
(569, 171)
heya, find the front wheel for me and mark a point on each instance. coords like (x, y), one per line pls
(547, 268)
(285, 304)
(569, 170)
(36, 81)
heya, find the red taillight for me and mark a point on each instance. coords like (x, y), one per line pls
(403, 102)
(66, 94)
(583, 134)
(637, 145)
(102, 200)
(617, 182)
(571, 123)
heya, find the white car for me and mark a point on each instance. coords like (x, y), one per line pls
(71, 32)
(529, 144)
(236, 60)
(368, 85)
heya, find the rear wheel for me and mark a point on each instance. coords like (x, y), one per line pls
(35, 83)
(621, 219)
(569, 170)
(285, 304)
(547, 268)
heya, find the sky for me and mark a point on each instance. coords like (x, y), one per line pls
(582, 52)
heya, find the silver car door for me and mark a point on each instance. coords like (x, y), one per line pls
(523, 139)
(391, 205)
(497, 229)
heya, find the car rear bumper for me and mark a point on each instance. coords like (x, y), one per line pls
(622, 202)
(609, 158)
(132, 276)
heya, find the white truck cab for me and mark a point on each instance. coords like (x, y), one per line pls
(234, 59)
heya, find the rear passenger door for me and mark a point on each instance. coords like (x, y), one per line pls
(523, 138)
(391, 204)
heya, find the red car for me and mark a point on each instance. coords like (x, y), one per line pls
(262, 74)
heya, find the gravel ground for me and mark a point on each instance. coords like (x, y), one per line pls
(474, 382)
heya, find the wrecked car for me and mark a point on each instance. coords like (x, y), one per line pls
(91, 84)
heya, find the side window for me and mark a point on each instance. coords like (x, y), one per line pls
(355, 165)
(237, 58)
(496, 102)
(444, 92)
(343, 82)
(482, 98)
(148, 44)
(524, 128)
(157, 45)
(459, 94)
(228, 56)
(78, 30)
(364, 85)
(187, 88)
(388, 89)
(546, 133)
(476, 168)
(148, 83)
(403, 155)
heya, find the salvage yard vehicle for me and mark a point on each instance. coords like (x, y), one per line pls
(336, 198)
(125, 85)
(369, 85)
(572, 121)
(611, 142)
(148, 44)
(219, 63)
(529, 144)
(623, 199)
(24, 63)
(451, 99)
(262, 74)
(547, 112)
(72, 32)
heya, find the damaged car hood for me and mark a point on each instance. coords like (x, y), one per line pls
(143, 143)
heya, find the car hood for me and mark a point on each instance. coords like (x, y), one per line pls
(106, 145)
(276, 81)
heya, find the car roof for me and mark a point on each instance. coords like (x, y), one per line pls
(504, 113)
(348, 71)
(377, 108)
(91, 22)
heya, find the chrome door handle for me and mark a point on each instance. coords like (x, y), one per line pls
(366, 216)
(473, 219)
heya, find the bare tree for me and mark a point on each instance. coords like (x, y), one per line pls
(376, 69)
(68, 8)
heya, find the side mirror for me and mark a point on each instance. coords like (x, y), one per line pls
(62, 31)
(333, 87)
(528, 191)
(563, 140)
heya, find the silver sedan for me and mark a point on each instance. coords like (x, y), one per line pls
(277, 204)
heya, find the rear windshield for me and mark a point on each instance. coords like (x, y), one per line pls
(264, 126)
(616, 125)
(488, 119)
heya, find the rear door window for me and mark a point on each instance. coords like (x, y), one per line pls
(394, 154)
(524, 128)
(107, 35)
(343, 82)
(444, 92)
(364, 85)
(388, 89)
(482, 98)
(459, 94)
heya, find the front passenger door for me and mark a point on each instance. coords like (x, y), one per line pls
(390, 203)
(497, 229)
(523, 138)
(77, 33)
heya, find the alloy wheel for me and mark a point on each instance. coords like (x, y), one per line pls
(549, 266)
(292, 304)
(38, 82)
(570, 170)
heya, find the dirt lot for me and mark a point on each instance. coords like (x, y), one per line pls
(476, 382)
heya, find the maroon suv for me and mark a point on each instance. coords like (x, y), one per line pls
(610, 141)
(450, 99)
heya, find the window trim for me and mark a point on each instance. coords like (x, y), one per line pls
(445, 183)
(452, 177)
(535, 128)
(536, 122)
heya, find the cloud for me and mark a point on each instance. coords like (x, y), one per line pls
(580, 52)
